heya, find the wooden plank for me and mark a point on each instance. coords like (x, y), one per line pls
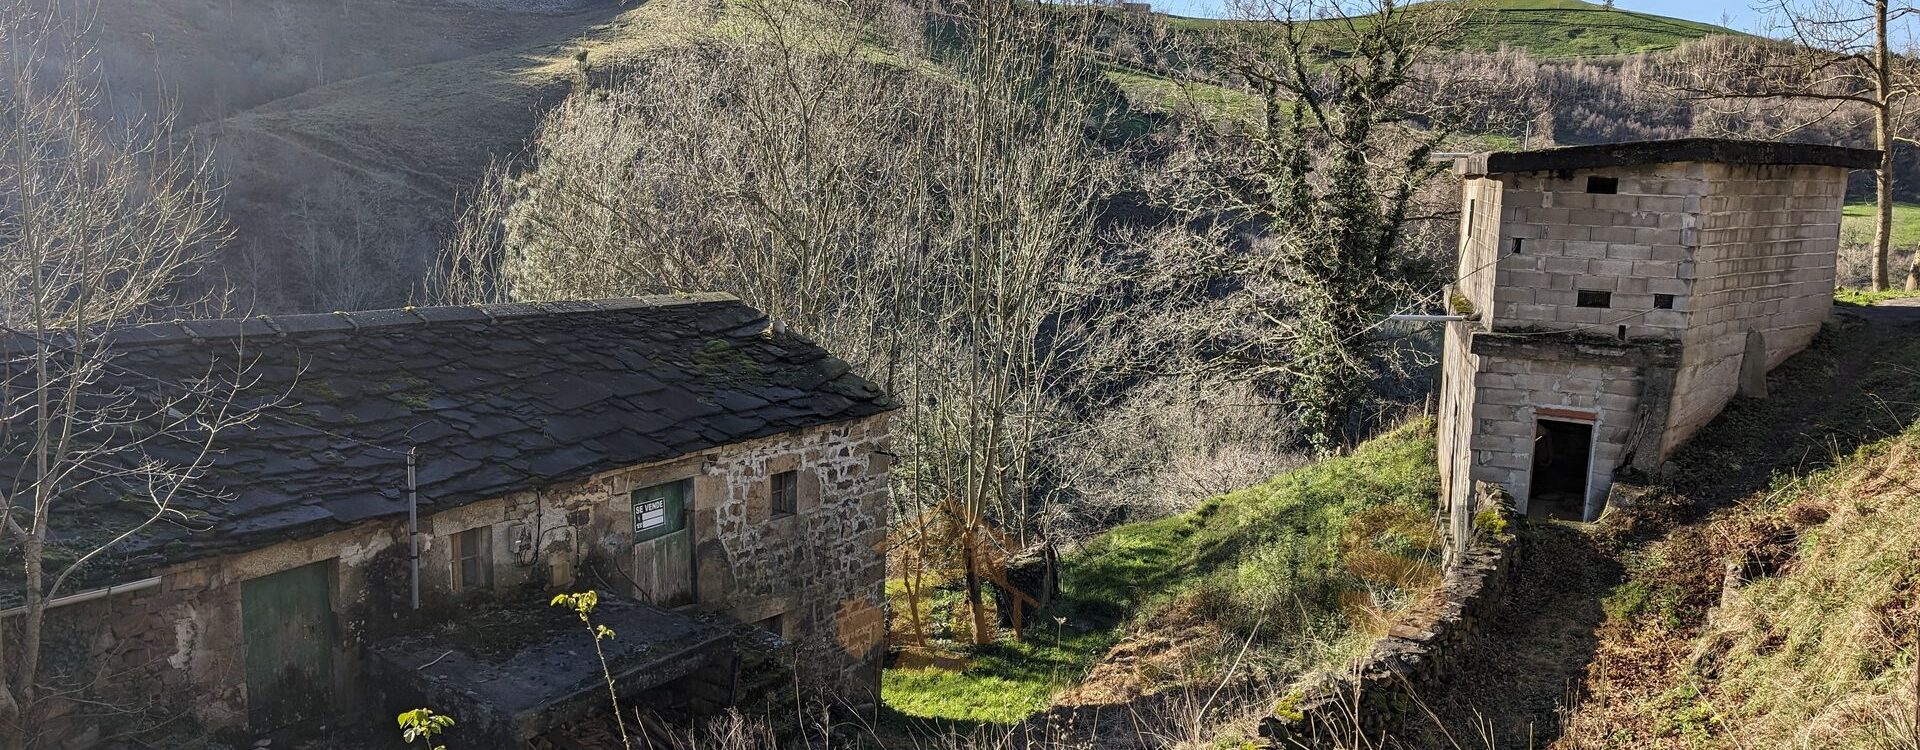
(287, 622)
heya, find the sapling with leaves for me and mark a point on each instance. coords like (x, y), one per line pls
(423, 724)
(582, 604)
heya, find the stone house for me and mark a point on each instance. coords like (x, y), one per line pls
(1616, 297)
(702, 469)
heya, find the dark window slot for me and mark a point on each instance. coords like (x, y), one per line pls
(1592, 298)
(786, 493)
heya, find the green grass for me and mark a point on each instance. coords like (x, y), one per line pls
(1570, 28)
(1869, 298)
(1155, 93)
(1856, 221)
(1265, 558)
(1555, 28)
(1003, 683)
(1829, 641)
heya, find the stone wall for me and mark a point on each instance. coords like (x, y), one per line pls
(820, 569)
(1764, 263)
(1418, 656)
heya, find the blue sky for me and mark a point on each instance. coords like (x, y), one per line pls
(1742, 14)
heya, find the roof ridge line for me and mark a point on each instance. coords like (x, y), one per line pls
(210, 329)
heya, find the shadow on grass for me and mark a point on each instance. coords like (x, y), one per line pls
(1853, 386)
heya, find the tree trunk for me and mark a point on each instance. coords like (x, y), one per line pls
(1883, 203)
(1883, 140)
(981, 635)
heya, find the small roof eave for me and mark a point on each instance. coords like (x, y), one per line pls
(1634, 153)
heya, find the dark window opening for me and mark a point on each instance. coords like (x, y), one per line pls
(1663, 302)
(1605, 185)
(1593, 298)
(786, 492)
(1516, 244)
(473, 559)
(1561, 462)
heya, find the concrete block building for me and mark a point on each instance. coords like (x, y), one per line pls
(1616, 297)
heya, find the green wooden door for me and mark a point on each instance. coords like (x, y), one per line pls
(288, 622)
(663, 543)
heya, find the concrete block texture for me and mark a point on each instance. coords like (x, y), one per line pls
(1745, 252)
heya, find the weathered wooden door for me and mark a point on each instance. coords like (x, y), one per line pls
(288, 621)
(663, 543)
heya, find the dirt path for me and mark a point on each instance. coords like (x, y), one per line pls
(1856, 384)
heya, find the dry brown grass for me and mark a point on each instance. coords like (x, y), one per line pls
(1811, 647)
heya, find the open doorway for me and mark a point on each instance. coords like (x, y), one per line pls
(1562, 460)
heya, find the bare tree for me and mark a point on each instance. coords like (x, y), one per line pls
(931, 220)
(1837, 54)
(1312, 213)
(99, 224)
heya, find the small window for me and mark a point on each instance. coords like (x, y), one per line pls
(786, 493)
(1516, 244)
(1663, 302)
(1592, 298)
(473, 559)
(1604, 185)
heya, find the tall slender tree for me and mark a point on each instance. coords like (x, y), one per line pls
(1835, 52)
(100, 224)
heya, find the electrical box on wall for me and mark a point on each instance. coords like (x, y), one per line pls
(520, 542)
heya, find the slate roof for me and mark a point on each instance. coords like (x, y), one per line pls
(1721, 150)
(499, 398)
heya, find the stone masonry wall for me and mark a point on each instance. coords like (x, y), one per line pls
(1765, 263)
(822, 569)
(1634, 243)
(1375, 696)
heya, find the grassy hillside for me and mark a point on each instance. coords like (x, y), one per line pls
(1555, 28)
(1571, 28)
(1812, 643)
(1148, 602)
(1817, 651)
(1857, 222)
(342, 191)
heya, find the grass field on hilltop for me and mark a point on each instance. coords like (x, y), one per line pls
(1264, 559)
(1556, 28)
(1857, 220)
